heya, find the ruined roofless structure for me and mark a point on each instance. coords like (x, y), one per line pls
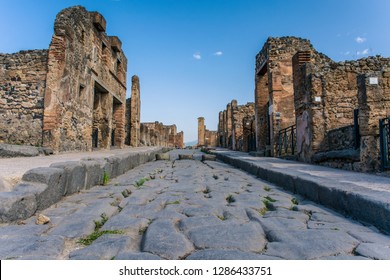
(311, 108)
(73, 95)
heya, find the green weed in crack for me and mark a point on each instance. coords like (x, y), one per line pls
(230, 199)
(97, 232)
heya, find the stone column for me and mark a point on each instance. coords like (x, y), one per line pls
(201, 132)
(135, 116)
(229, 126)
(235, 124)
(374, 104)
(220, 129)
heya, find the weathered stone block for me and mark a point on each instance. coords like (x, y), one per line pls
(17, 206)
(181, 157)
(94, 172)
(209, 157)
(163, 156)
(75, 175)
(55, 181)
(7, 151)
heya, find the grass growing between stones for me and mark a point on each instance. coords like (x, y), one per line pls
(141, 182)
(294, 201)
(106, 178)
(222, 218)
(266, 188)
(230, 199)
(97, 232)
(270, 199)
(172, 203)
(268, 205)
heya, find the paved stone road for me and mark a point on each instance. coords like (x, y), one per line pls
(190, 210)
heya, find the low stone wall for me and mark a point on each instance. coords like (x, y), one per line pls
(43, 186)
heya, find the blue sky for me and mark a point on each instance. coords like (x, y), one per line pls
(193, 57)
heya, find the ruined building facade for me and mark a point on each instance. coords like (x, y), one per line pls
(313, 109)
(236, 129)
(158, 134)
(73, 95)
(338, 108)
(206, 138)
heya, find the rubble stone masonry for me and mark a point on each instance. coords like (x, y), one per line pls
(326, 95)
(85, 84)
(158, 134)
(22, 89)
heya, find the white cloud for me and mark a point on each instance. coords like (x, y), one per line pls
(218, 53)
(363, 52)
(347, 53)
(197, 56)
(360, 39)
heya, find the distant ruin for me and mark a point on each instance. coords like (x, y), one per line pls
(71, 97)
(206, 138)
(235, 126)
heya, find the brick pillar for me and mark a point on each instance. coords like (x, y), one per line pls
(135, 116)
(374, 104)
(201, 131)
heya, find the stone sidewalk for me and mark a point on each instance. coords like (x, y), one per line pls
(43, 181)
(361, 196)
(12, 169)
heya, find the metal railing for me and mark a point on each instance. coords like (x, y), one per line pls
(287, 141)
(384, 129)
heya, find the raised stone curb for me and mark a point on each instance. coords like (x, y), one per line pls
(43, 186)
(329, 187)
(7, 150)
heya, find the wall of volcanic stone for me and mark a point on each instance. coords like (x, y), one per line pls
(22, 88)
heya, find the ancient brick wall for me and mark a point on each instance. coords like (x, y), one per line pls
(239, 112)
(85, 85)
(374, 104)
(22, 88)
(158, 134)
(326, 95)
(274, 90)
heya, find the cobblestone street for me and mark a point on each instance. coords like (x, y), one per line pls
(187, 209)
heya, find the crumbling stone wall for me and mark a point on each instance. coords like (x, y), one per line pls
(326, 95)
(231, 132)
(22, 88)
(239, 112)
(85, 84)
(158, 134)
(206, 138)
(374, 104)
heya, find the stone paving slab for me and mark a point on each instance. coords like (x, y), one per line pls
(363, 196)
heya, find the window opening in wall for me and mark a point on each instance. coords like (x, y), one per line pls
(81, 90)
(118, 67)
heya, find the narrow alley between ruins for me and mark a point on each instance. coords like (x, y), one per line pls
(189, 209)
